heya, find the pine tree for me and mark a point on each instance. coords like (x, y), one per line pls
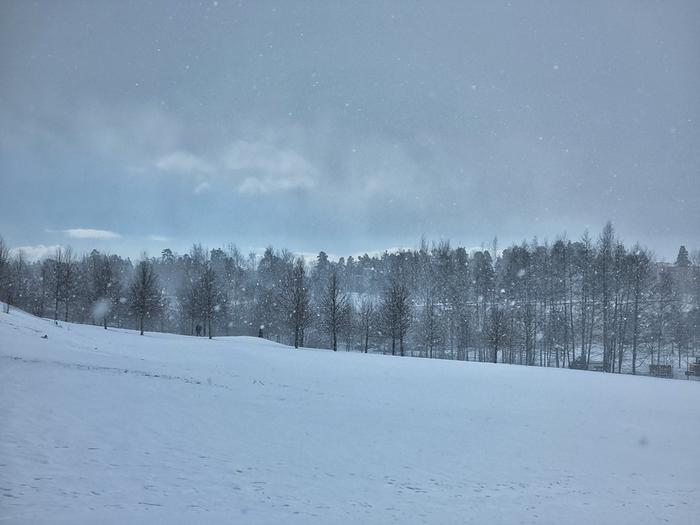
(683, 259)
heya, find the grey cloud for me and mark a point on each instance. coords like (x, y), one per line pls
(90, 233)
(268, 168)
(35, 252)
(353, 128)
(253, 167)
(183, 162)
(158, 238)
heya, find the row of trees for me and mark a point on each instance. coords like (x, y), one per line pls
(568, 303)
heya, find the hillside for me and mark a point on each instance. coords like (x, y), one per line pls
(109, 427)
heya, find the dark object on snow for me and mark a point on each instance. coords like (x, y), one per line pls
(693, 368)
(44, 336)
(260, 332)
(660, 370)
(580, 364)
(198, 330)
(596, 366)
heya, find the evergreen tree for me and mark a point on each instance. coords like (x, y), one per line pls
(683, 259)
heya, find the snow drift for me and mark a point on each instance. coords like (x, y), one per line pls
(109, 427)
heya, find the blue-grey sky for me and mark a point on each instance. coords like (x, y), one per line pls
(347, 126)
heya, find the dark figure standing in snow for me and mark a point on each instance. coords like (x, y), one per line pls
(198, 330)
(260, 332)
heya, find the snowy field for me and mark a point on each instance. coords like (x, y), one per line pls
(109, 427)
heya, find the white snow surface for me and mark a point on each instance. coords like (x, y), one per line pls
(110, 427)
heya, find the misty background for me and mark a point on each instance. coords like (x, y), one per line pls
(347, 127)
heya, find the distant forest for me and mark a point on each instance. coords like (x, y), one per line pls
(587, 303)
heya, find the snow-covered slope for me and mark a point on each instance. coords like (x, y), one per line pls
(109, 427)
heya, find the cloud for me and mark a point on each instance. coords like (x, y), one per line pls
(266, 168)
(269, 184)
(264, 157)
(88, 233)
(201, 187)
(184, 163)
(129, 133)
(145, 138)
(35, 252)
(254, 166)
(158, 238)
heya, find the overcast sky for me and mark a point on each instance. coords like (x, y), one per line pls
(347, 126)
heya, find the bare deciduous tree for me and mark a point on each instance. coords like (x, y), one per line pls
(294, 299)
(497, 330)
(367, 319)
(210, 297)
(144, 292)
(105, 288)
(334, 309)
(396, 314)
(4, 272)
(640, 266)
(68, 275)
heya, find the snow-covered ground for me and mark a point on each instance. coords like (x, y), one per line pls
(109, 427)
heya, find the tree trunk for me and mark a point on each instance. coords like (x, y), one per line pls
(635, 333)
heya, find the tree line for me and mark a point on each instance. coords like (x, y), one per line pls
(563, 304)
